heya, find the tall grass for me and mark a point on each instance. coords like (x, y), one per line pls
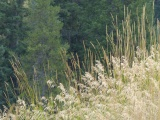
(122, 83)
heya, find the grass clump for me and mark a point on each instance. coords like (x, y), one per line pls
(133, 93)
(103, 97)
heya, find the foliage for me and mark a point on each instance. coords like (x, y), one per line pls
(127, 95)
(85, 21)
(156, 10)
(12, 31)
(106, 87)
(128, 90)
(43, 58)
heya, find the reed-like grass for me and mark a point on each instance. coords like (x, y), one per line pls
(122, 83)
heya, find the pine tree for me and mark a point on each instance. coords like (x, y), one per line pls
(44, 42)
(12, 32)
(86, 20)
(157, 9)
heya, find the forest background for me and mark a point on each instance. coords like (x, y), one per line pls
(43, 34)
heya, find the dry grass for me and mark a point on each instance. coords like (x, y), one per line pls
(133, 93)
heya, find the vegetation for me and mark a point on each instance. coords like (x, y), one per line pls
(12, 31)
(107, 72)
(43, 53)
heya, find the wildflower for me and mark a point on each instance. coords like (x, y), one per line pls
(44, 100)
(21, 102)
(49, 83)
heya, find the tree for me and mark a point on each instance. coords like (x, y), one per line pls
(86, 20)
(12, 32)
(157, 9)
(44, 42)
